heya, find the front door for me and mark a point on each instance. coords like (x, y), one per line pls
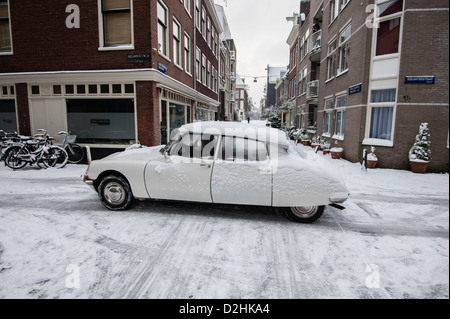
(184, 173)
(242, 173)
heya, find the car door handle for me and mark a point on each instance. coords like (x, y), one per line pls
(205, 165)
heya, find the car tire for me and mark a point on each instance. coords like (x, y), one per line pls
(306, 214)
(115, 193)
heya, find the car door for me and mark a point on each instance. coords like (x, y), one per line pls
(242, 173)
(184, 172)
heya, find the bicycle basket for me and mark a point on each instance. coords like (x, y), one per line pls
(71, 138)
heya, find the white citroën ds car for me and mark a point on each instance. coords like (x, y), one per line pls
(223, 163)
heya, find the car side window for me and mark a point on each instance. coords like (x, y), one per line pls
(242, 149)
(195, 146)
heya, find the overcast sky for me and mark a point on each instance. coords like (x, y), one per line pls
(260, 30)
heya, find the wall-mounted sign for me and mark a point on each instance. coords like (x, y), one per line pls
(419, 79)
(162, 68)
(355, 89)
(138, 58)
(100, 122)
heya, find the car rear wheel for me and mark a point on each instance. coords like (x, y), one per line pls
(115, 193)
(304, 214)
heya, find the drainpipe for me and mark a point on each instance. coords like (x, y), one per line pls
(194, 49)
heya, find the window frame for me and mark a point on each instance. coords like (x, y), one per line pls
(163, 51)
(187, 54)
(8, 19)
(102, 28)
(176, 39)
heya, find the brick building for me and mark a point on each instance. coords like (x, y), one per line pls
(368, 82)
(111, 71)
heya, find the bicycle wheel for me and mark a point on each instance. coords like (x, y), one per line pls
(75, 152)
(57, 157)
(15, 158)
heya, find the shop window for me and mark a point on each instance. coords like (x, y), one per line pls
(116, 22)
(8, 120)
(117, 88)
(102, 121)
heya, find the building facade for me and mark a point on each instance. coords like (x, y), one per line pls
(113, 72)
(370, 72)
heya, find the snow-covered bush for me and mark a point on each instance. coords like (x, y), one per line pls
(325, 144)
(421, 150)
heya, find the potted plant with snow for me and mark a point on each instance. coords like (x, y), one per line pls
(304, 137)
(316, 142)
(336, 151)
(325, 145)
(420, 152)
(372, 159)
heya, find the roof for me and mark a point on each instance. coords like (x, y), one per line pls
(239, 129)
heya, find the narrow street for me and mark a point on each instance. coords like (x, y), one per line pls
(51, 223)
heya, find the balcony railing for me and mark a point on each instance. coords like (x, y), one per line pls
(315, 43)
(312, 90)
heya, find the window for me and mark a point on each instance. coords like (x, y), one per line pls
(117, 24)
(327, 122)
(176, 43)
(333, 10)
(344, 49)
(341, 102)
(109, 121)
(194, 146)
(242, 149)
(331, 60)
(187, 54)
(340, 123)
(381, 122)
(208, 76)
(5, 32)
(344, 4)
(162, 29)
(197, 14)
(198, 63)
(388, 33)
(204, 23)
(382, 113)
(204, 69)
(388, 36)
(208, 27)
(187, 6)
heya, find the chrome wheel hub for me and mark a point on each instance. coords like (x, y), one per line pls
(114, 193)
(305, 212)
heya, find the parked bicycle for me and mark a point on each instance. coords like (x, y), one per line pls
(39, 151)
(75, 151)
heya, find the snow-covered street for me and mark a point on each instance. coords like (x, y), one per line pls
(58, 241)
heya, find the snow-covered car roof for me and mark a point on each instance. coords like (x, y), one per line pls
(236, 129)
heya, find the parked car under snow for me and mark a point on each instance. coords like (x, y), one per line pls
(220, 162)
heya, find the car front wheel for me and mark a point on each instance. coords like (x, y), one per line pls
(305, 214)
(115, 193)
